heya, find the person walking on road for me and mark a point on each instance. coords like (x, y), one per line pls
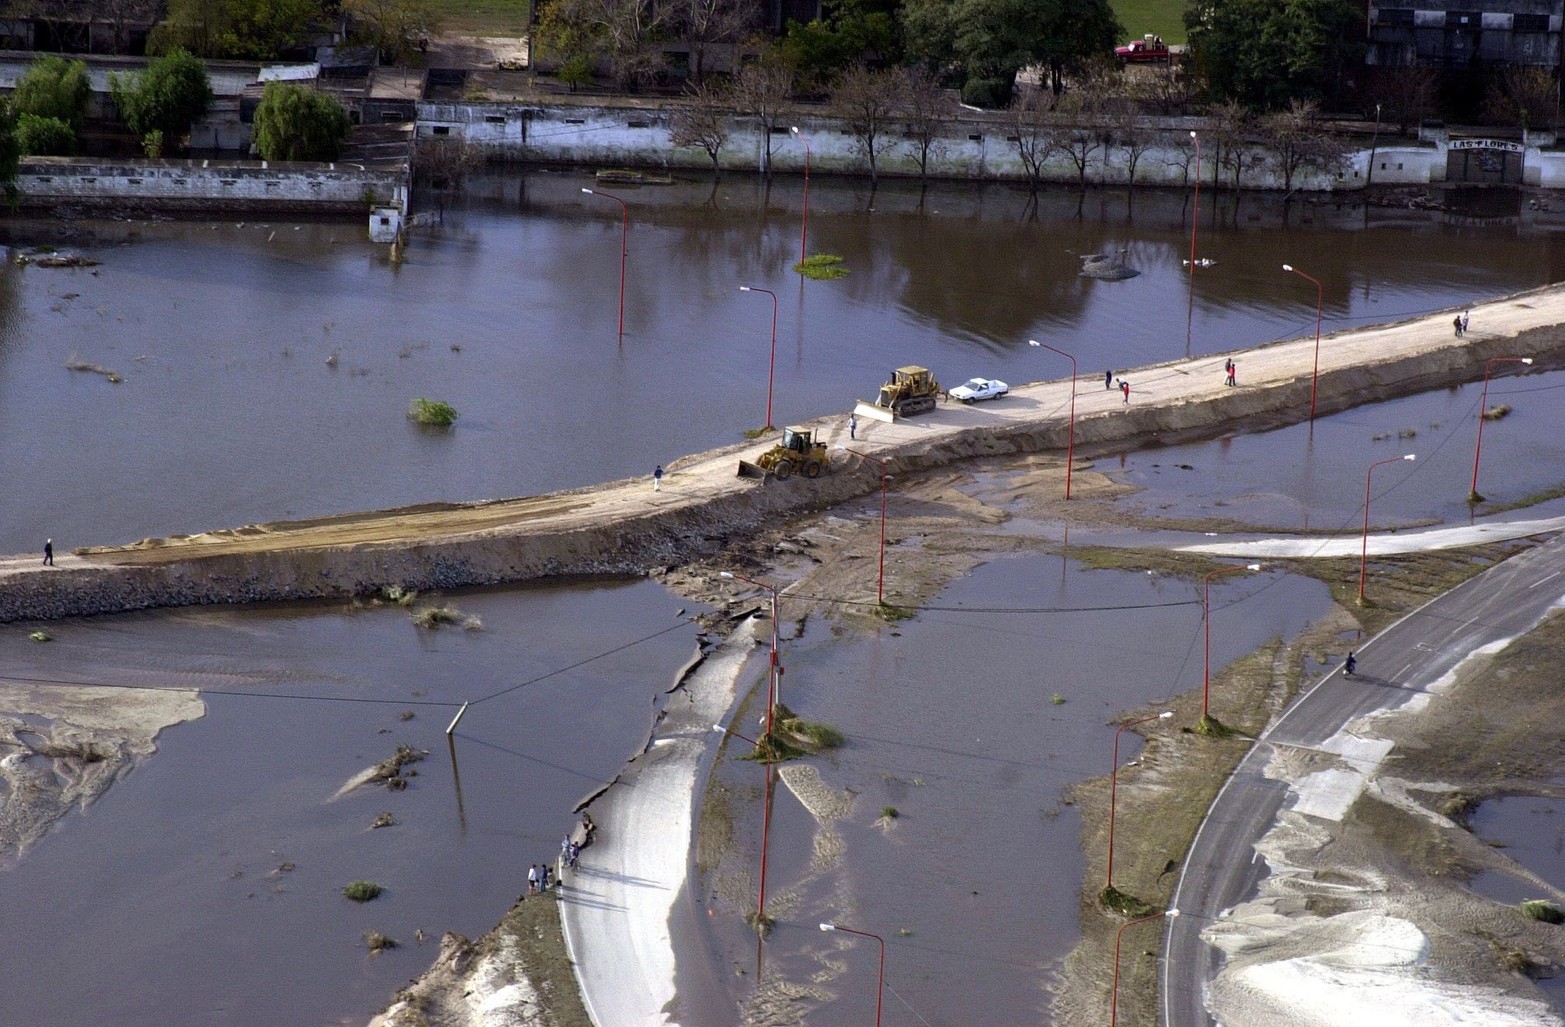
(1229, 368)
(48, 552)
(532, 879)
(853, 426)
(1349, 665)
(1108, 379)
(1456, 322)
(1466, 316)
(657, 478)
(1124, 388)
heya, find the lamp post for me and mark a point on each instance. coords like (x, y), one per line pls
(1114, 1000)
(775, 669)
(885, 477)
(771, 365)
(1369, 172)
(1364, 546)
(1070, 443)
(804, 226)
(1206, 615)
(1195, 221)
(766, 822)
(1483, 404)
(1114, 784)
(880, 980)
(624, 247)
(1320, 304)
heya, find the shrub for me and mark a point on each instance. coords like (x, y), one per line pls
(1542, 909)
(362, 891)
(45, 136)
(293, 122)
(53, 88)
(889, 813)
(432, 413)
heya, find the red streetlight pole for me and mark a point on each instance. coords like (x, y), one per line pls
(1195, 221)
(1114, 1001)
(880, 981)
(1483, 404)
(624, 247)
(1206, 615)
(771, 365)
(766, 824)
(1070, 444)
(1114, 783)
(885, 477)
(1364, 548)
(1320, 306)
(804, 226)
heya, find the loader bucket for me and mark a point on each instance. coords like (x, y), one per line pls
(874, 412)
(749, 470)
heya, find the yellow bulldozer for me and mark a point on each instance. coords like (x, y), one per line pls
(911, 390)
(799, 451)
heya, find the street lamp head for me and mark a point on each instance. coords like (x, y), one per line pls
(1165, 714)
(724, 574)
(744, 288)
(1287, 267)
(1252, 566)
(720, 729)
(1526, 360)
(1192, 133)
(1172, 914)
(589, 192)
(841, 447)
(828, 927)
(794, 129)
(1034, 342)
(1411, 456)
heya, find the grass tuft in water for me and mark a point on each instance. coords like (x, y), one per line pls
(362, 891)
(822, 267)
(432, 413)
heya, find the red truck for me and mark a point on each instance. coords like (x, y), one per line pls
(1148, 48)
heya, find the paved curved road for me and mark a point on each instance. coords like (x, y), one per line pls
(1221, 869)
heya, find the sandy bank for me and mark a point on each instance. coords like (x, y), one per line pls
(623, 527)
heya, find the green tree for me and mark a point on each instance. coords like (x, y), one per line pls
(54, 88)
(168, 97)
(399, 27)
(294, 122)
(251, 29)
(847, 32)
(1265, 53)
(992, 40)
(39, 136)
(10, 152)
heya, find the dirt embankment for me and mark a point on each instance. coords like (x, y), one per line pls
(624, 528)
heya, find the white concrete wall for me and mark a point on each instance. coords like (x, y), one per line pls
(978, 146)
(207, 185)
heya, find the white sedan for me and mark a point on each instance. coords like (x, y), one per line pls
(980, 388)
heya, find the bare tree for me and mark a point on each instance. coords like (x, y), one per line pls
(1083, 134)
(1525, 97)
(927, 108)
(1032, 121)
(868, 101)
(1184, 159)
(1227, 125)
(703, 24)
(445, 162)
(1297, 141)
(702, 121)
(1131, 131)
(1168, 86)
(1406, 91)
(621, 33)
(762, 90)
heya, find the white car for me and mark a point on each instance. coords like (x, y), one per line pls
(980, 388)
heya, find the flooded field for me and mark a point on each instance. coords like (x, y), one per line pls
(267, 372)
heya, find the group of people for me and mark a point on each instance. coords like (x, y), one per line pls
(1460, 323)
(540, 877)
(1124, 386)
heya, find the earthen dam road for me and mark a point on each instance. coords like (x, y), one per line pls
(1183, 398)
(1222, 868)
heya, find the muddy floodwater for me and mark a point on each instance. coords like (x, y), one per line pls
(268, 367)
(972, 723)
(205, 887)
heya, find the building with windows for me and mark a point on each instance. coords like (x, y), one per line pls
(1480, 34)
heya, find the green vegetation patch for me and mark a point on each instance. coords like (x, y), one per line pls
(1156, 16)
(1542, 909)
(822, 267)
(362, 891)
(1126, 905)
(432, 413)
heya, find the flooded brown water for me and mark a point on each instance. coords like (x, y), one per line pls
(230, 413)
